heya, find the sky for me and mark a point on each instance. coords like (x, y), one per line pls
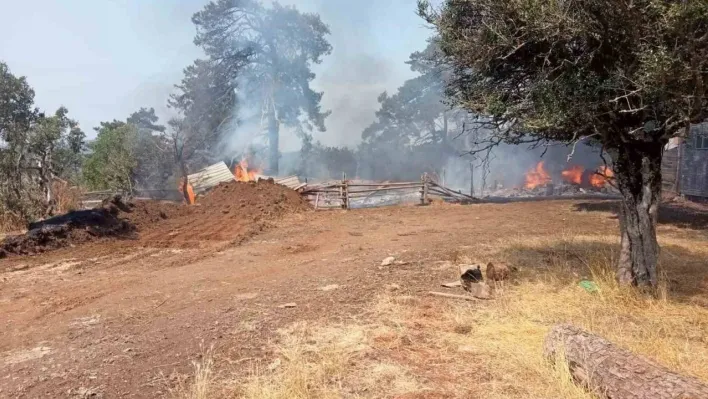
(104, 59)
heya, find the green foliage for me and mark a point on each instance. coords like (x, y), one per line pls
(113, 160)
(620, 72)
(16, 104)
(129, 155)
(35, 150)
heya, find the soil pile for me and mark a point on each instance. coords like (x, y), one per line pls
(72, 228)
(231, 212)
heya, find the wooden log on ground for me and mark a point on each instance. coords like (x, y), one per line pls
(452, 296)
(615, 373)
(452, 192)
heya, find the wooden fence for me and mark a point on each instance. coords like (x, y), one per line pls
(342, 194)
(94, 198)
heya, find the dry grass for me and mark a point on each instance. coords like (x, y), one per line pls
(68, 198)
(421, 347)
(202, 384)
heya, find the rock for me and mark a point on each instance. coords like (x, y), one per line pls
(478, 290)
(498, 272)
(388, 261)
(274, 365)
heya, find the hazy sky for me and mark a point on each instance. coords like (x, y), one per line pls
(104, 59)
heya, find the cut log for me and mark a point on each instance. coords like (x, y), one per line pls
(612, 372)
(452, 296)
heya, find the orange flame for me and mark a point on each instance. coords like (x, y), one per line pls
(573, 175)
(242, 173)
(190, 198)
(537, 177)
(600, 178)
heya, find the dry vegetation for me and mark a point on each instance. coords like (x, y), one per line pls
(421, 347)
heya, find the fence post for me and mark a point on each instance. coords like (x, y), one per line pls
(345, 195)
(424, 189)
(471, 178)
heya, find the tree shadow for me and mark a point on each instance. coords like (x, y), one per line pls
(674, 214)
(567, 261)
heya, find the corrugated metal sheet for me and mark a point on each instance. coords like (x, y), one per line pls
(292, 182)
(210, 177)
(220, 173)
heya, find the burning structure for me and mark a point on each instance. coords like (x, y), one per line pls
(572, 180)
(521, 172)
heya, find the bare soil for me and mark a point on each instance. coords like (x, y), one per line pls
(229, 213)
(128, 317)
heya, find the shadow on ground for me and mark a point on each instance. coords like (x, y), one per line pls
(677, 215)
(569, 262)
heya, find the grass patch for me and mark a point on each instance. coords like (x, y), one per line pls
(423, 347)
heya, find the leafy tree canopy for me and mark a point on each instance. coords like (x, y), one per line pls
(266, 53)
(615, 70)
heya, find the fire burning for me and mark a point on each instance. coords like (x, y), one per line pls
(189, 197)
(600, 178)
(537, 177)
(573, 175)
(242, 173)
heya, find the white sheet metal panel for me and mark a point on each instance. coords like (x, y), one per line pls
(292, 182)
(210, 176)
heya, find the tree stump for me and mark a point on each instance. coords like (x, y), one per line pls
(616, 373)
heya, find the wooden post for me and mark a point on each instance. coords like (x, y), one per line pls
(344, 192)
(424, 190)
(677, 182)
(317, 200)
(471, 178)
(345, 198)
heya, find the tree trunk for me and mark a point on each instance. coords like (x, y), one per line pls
(615, 373)
(638, 174)
(274, 143)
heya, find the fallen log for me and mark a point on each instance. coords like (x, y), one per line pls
(452, 296)
(615, 373)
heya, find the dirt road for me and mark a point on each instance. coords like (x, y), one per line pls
(124, 321)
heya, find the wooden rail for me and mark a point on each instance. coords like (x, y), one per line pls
(341, 194)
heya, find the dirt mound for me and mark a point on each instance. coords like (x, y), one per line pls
(72, 228)
(231, 212)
